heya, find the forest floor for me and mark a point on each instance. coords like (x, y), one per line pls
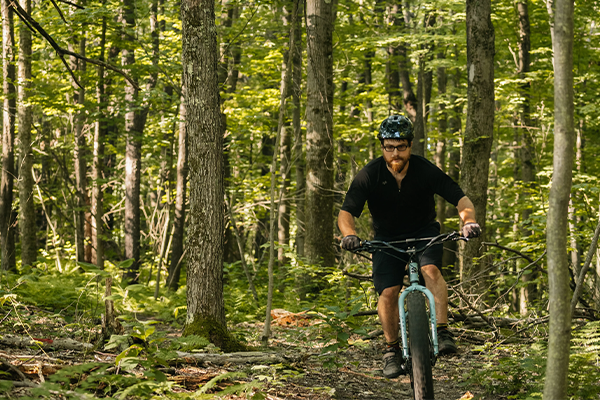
(353, 372)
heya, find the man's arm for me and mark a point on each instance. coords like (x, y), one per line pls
(466, 210)
(346, 223)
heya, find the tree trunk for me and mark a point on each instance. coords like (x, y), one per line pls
(440, 149)
(79, 154)
(7, 240)
(396, 20)
(453, 148)
(298, 154)
(527, 149)
(319, 130)
(425, 81)
(25, 115)
(408, 95)
(98, 160)
(283, 126)
(555, 386)
(480, 122)
(180, 198)
(205, 303)
(132, 149)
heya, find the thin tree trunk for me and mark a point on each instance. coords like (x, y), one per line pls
(319, 130)
(408, 96)
(453, 148)
(396, 20)
(7, 241)
(440, 150)
(132, 151)
(25, 115)
(557, 367)
(527, 292)
(424, 86)
(283, 232)
(98, 160)
(298, 154)
(180, 198)
(480, 123)
(205, 303)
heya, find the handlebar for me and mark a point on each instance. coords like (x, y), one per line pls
(374, 245)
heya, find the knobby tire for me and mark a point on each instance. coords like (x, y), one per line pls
(419, 342)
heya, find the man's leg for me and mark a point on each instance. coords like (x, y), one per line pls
(387, 308)
(435, 282)
(389, 315)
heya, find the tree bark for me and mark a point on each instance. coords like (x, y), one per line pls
(298, 154)
(79, 153)
(424, 87)
(283, 126)
(98, 160)
(180, 198)
(25, 115)
(7, 240)
(408, 95)
(319, 131)
(205, 304)
(555, 386)
(527, 149)
(132, 148)
(396, 20)
(480, 122)
(440, 149)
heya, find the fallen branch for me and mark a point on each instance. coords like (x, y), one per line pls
(357, 276)
(483, 317)
(251, 357)
(62, 344)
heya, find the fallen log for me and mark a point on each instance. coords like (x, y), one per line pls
(250, 357)
(58, 344)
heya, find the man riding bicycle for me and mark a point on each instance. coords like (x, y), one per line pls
(399, 189)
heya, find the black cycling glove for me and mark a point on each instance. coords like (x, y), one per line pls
(471, 230)
(350, 242)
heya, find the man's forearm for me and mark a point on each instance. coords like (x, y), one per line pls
(346, 223)
(466, 210)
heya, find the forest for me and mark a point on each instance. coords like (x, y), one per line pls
(172, 173)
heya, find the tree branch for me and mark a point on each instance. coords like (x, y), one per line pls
(62, 52)
(72, 4)
(511, 250)
(584, 270)
(59, 11)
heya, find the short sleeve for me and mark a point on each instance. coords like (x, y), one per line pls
(357, 195)
(445, 186)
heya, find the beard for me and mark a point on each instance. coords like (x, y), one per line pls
(396, 165)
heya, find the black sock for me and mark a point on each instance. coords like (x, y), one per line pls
(441, 327)
(395, 344)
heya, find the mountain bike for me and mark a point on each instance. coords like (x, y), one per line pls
(418, 327)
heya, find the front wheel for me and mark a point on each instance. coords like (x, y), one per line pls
(419, 343)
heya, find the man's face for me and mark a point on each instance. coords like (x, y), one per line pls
(396, 159)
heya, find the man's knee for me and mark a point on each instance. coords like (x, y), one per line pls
(432, 273)
(390, 293)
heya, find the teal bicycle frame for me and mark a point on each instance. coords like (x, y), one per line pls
(413, 269)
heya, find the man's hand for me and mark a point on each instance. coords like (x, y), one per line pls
(471, 230)
(350, 242)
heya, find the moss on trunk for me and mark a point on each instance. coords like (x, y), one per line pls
(215, 332)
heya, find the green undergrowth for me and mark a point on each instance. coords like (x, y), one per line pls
(517, 371)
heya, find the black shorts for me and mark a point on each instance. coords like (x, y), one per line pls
(389, 271)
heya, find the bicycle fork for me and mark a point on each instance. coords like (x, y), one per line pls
(413, 269)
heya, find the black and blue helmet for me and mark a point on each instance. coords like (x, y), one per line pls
(396, 127)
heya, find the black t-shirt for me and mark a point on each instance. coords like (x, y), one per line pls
(398, 212)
